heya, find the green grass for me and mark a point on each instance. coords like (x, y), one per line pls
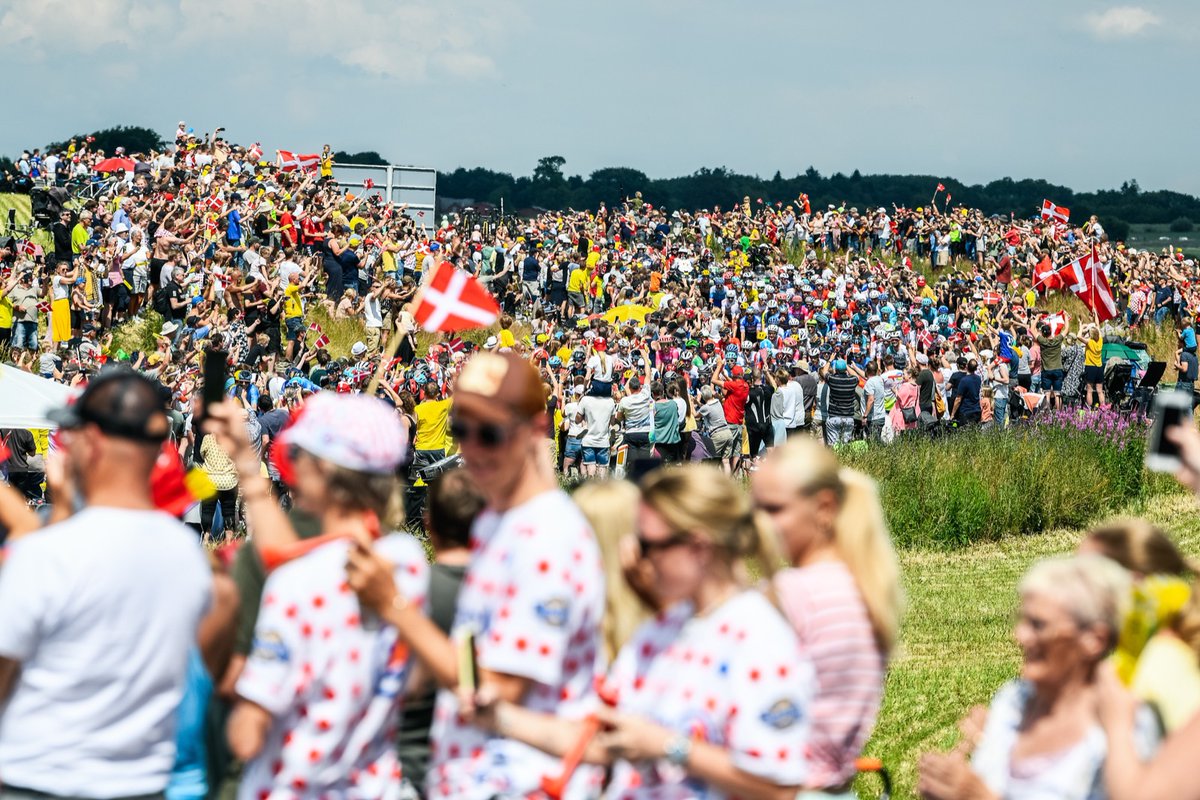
(956, 642)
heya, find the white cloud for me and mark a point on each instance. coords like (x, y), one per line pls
(1121, 22)
(401, 40)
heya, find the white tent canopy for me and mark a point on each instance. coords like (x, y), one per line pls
(25, 398)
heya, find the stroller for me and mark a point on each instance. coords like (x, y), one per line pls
(1129, 386)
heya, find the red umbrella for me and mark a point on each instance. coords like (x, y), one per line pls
(114, 165)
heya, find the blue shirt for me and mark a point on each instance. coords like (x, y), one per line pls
(234, 232)
(968, 392)
(1189, 336)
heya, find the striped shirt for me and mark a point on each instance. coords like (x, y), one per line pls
(823, 604)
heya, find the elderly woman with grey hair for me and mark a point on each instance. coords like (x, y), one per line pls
(1042, 737)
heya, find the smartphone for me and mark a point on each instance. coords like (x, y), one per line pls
(1171, 409)
(216, 372)
(468, 663)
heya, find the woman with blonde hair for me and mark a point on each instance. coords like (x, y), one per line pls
(1158, 650)
(1043, 737)
(1093, 363)
(712, 695)
(842, 594)
(611, 508)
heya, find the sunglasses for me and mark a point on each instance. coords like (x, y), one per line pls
(486, 434)
(649, 547)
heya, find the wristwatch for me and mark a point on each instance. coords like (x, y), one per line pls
(677, 750)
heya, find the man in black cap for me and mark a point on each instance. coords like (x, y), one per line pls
(101, 611)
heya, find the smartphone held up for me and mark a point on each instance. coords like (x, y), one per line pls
(1171, 410)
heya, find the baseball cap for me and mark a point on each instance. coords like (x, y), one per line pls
(121, 403)
(354, 431)
(736, 371)
(497, 387)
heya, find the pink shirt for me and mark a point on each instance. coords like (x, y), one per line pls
(823, 604)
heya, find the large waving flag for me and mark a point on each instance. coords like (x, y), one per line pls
(1086, 278)
(1057, 213)
(453, 300)
(290, 162)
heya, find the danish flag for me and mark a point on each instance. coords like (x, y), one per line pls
(1085, 277)
(1051, 211)
(290, 162)
(255, 152)
(44, 306)
(454, 301)
(322, 340)
(1058, 323)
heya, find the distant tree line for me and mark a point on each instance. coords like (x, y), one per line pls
(549, 188)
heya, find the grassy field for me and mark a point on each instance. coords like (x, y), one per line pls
(1156, 237)
(956, 642)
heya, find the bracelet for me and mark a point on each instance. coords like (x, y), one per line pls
(677, 750)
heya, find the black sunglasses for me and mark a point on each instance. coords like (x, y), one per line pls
(486, 434)
(649, 547)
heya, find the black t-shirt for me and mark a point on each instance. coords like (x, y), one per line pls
(927, 386)
(842, 396)
(171, 292)
(21, 448)
(62, 239)
(758, 406)
(1188, 373)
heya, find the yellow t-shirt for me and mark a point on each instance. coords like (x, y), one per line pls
(433, 425)
(1168, 678)
(593, 259)
(506, 338)
(1091, 357)
(6, 312)
(578, 280)
(292, 307)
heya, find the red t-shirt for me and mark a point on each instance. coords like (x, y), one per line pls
(287, 228)
(734, 404)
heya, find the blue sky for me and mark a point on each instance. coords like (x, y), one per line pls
(1081, 92)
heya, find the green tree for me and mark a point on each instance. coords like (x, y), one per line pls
(1181, 225)
(549, 170)
(365, 157)
(133, 138)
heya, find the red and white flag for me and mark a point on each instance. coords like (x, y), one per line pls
(993, 298)
(368, 184)
(322, 340)
(1047, 280)
(1085, 277)
(291, 162)
(1058, 322)
(44, 306)
(1051, 211)
(941, 187)
(453, 300)
(255, 152)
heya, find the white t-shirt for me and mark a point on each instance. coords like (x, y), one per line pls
(638, 409)
(734, 678)
(287, 268)
(332, 684)
(597, 418)
(570, 411)
(101, 611)
(372, 313)
(534, 594)
(601, 366)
